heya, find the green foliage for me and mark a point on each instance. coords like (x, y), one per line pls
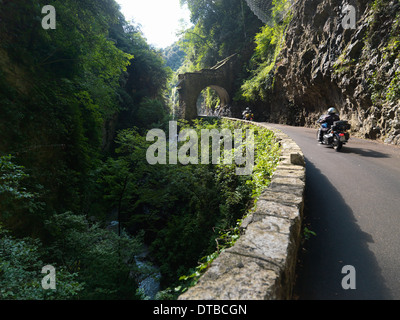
(103, 260)
(65, 90)
(221, 28)
(208, 100)
(65, 172)
(307, 234)
(383, 88)
(262, 65)
(71, 85)
(11, 176)
(393, 90)
(266, 41)
(146, 81)
(174, 56)
(268, 155)
(173, 204)
(181, 208)
(63, 95)
(152, 113)
(257, 87)
(241, 198)
(21, 263)
(17, 202)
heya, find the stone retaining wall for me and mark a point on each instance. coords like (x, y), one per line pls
(261, 265)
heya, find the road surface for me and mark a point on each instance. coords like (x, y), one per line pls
(352, 203)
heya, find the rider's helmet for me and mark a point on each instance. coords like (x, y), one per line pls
(332, 110)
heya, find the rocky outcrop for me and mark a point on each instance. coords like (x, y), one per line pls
(357, 70)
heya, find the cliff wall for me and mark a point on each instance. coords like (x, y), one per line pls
(325, 62)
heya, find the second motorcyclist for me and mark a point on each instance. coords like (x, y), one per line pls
(248, 114)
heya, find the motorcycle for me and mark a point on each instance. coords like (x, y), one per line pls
(337, 136)
(248, 116)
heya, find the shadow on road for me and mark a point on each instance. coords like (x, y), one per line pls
(365, 152)
(339, 242)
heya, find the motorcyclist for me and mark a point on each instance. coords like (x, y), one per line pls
(247, 113)
(327, 122)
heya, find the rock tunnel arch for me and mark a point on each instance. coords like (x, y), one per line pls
(220, 78)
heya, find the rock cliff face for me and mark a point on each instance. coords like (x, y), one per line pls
(323, 63)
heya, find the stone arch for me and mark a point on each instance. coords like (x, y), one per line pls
(220, 78)
(222, 93)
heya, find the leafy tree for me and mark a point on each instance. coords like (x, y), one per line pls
(76, 104)
(103, 260)
(268, 45)
(21, 262)
(174, 56)
(145, 79)
(18, 204)
(11, 176)
(63, 95)
(221, 28)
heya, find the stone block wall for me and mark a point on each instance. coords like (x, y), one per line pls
(261, 265)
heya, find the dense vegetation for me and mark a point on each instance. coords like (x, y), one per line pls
(63, 95)
(75, 105)
(222, 28)
(268, 46)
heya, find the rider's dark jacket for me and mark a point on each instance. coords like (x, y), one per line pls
(329, 119)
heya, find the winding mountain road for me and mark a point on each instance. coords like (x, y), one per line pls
(352, 203)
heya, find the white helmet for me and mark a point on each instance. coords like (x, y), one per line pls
(332, 111)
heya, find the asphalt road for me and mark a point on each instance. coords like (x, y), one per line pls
(352, 203)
